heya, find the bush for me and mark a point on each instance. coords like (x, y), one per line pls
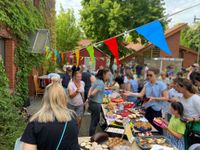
(11, 123)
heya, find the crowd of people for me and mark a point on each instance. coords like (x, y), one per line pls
(172, 96)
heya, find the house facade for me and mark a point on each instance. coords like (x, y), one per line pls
(7, 51)
(149, 51)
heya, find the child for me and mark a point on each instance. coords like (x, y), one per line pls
(176, 127)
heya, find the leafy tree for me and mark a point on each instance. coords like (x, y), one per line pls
(50, 20)
(101, 19)
(68, 32)
(190, 37)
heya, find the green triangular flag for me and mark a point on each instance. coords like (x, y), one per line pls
(90, 50)
(49, 55)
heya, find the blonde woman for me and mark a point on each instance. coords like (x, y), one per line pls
(53, 127)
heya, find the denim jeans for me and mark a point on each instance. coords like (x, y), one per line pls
(95, 109)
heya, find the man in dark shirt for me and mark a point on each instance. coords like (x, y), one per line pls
(66, 78)
(86, 79)
(195, 69)
(139, 70)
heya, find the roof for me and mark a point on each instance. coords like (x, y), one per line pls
(139, 47)
(84, 42)
(136, 47)
(188, 49)
(95, 48)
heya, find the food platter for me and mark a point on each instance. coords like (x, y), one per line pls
(109, 144)
(142, 126)
(146, 143)
(88, 145)
(117, 100)
(119, 120)
(144, 134)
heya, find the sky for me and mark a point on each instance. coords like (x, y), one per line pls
(170, 5)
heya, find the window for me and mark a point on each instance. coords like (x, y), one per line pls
(39, 39)
(2, 48)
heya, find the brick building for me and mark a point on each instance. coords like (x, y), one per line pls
(142, 52)
(101, 58)
(7, 51)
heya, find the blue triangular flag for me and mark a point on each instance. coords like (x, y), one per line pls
(58, 55)
(154, 33)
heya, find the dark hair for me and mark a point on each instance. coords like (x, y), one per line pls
(197, 76)
(101, 72)
(75, 73)
(178, 80)
(188, 85)
(180, 74)
(178, 107)
(154, 70)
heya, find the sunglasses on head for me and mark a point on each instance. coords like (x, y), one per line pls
(149, 75)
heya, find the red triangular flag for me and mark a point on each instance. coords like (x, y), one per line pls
(113, 47)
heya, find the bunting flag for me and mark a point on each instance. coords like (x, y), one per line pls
(53, 58)
(113, 47)
(77, 52)
(90, 50)
(49, 55)
(57, 54)
(154, 33)
(46, 50)
(62, 57)
(68, 56)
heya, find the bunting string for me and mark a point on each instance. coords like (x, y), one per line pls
(144, 30)
(166, 16)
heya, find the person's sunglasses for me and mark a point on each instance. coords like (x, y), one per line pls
(149, 75)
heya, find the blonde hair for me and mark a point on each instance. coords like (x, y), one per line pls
(54, 104)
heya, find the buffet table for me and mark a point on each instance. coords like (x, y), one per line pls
(132, 146)
(110, 123)
(119, 113)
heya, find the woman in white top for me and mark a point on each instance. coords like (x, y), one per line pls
(191, 104)
(76, 95)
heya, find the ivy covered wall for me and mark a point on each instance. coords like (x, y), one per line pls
(21, 17)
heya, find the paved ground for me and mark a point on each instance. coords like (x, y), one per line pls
(84, 130)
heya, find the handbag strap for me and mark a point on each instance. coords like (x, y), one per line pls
(65, 126)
